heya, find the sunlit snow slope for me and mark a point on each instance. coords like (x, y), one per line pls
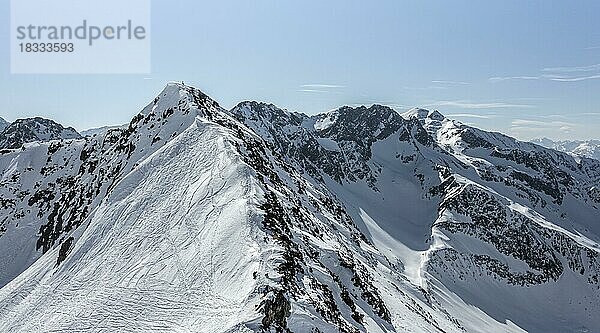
(198, 219)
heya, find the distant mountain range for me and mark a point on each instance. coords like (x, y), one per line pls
(587, 148)
(195, 218)
(99, 130)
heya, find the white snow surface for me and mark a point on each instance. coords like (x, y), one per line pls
(173, 247)
(170, 251)
(178, 244)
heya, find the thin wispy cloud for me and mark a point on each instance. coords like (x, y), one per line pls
(574, 115)
(528, 77)
(558, 74)
(472, 105)
(320, 85)
(506, 78)
(535, 131)
(540, 123)
(470, 115)
(576, 79)
(425, 88)
(559, 116)
(533, 98)
(320, 88)
(521, 130)
(530, 126)
(450, 82)
(556, 78)
(575, 69)
(396, 106)
(314, 91)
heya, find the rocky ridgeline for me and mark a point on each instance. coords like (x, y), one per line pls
(70, 178)
(538, 178)
(326, 264)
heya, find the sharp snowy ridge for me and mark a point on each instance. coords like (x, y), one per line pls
(193, 218)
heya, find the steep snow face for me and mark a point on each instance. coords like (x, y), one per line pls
(34, 129)
(588, 148)
(50, 188)
(165, 250)
(29, 186)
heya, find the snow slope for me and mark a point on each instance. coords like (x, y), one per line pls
(168, 251)
(193, 218)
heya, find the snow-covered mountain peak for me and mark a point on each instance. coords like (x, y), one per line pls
(418, 113)
(27, 130)
(266, 112)
(258, 219)
(436, 115)
(179, 97)
(357, 115)
(373, 111)
(431, 120)
(421, 114)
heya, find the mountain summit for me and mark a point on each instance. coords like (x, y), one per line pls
(27, 130)
(256, 219)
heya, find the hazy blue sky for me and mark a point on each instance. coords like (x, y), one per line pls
(525, 68)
